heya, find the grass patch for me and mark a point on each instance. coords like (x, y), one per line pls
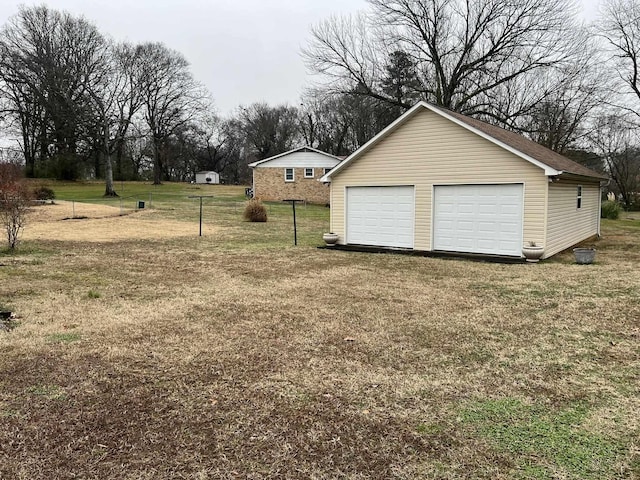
(49, 392)
(546, 443)
(429, 429)
(93, 294)
(64, 337)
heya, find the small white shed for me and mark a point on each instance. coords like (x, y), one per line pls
(208, 177)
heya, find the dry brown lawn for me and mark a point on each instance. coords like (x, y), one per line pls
(168, 356)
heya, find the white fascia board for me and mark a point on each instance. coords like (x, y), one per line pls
(259, 162)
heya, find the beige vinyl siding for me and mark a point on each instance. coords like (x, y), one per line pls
(568, 225)
(430, 150)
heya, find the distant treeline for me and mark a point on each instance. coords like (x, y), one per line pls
(85, 106)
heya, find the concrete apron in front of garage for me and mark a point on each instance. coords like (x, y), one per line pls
(477, 257)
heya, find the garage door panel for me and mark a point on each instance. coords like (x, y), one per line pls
(485, 244)
(465, 226)
(512, 210)
(380, 216)
(463, 242)
(487, 209)
(506, 245)
(511, 228)
(487, 227)
(478, 218)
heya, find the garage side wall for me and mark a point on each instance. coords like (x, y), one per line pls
(430, 150)
(568, 224)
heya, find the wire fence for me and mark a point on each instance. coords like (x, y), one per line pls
(311, 219)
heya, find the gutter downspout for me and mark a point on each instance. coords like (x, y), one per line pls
(329, 183)
(253, 181)
(600, 206)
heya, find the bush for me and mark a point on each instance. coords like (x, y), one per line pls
(255, 211)
(44, 193)
(15, 199)
(610, 210)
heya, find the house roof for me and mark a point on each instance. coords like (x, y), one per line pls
(551, 162)
(299, 149)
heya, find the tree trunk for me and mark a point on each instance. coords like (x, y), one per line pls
(108, 167)
(96, 164)
(108, 176)
(157, 166)
(119, 155)
(29, 157)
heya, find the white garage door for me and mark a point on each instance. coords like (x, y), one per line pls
(478, 219)
(380, 216)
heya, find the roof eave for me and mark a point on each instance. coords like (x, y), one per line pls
(305, 147)
(576, 176)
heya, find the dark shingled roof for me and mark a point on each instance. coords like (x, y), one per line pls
(526, 146)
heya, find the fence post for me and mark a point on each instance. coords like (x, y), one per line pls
(295, 227)
(200, 197)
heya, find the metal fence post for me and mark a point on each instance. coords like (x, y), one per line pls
(200, 197)
(295, 226)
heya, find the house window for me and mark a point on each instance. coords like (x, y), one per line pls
(308, 173)
(579, 197)
(288, 175)
(327, 170)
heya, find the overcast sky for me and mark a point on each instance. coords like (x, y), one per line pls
(244, 51)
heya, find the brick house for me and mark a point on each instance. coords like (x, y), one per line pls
(293, 174)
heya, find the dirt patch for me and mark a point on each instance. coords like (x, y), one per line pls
(102, 223)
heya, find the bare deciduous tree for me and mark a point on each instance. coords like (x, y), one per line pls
(214, 144)
(269, 130)
(617, 140)
(339, 123)
(325, 124)
(568, 97)
(170, 96)
(116, 98)
(620, 27)
(465, 53)
(50, 58)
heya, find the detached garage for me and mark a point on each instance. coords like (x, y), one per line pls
(435, 180)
